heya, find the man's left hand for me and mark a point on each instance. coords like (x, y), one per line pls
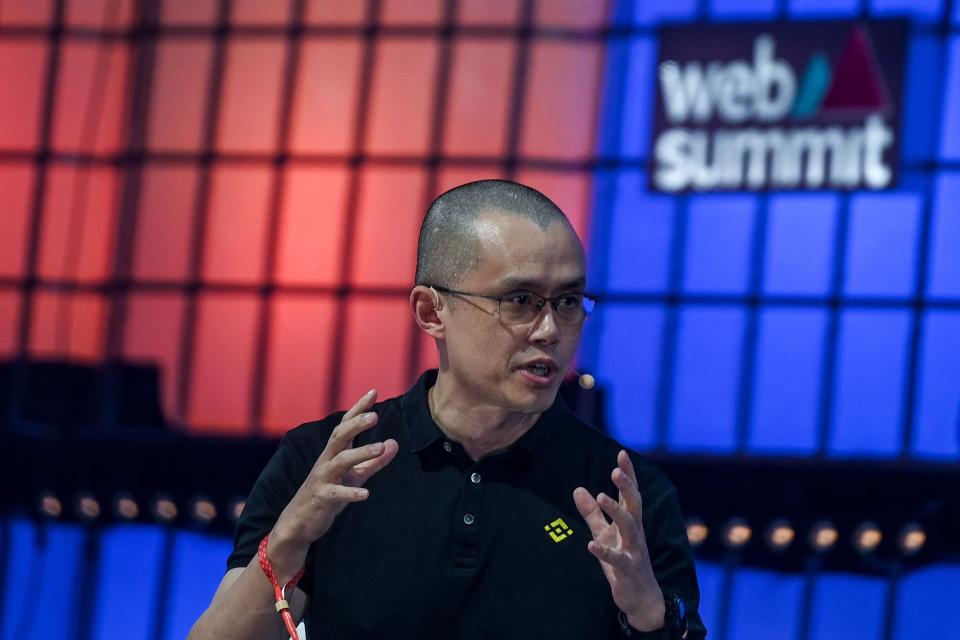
(621, 547)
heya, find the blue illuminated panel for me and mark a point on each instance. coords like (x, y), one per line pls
(710, 580)
(199, 562)
(745, 9)
(41, 580)
(719, 235)
(765, 605)
(706, 379)
(881, 254)
(950, 136)
(824, 8)
(639, 71)
(629, 358)
(848, 606)
(654, 11)
(787, 381)
(641, 230)
(799, 246)
(944, 274)
(927, 606)
(920, 124)
(937, 427)
(919, 9)
(130, 561)
(869, 388)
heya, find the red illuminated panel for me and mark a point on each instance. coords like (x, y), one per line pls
(16, 182)
(189, 12)
(78, 236)
(404, 12)
(479, 100)
(88, 84)
(222, 359)
(388, 222)
(311, 227)
(325, 108)
(250, 105)
(237, 223)
(571, 14)
(301, 346)
(560, 114)
(260, 13)
(9, 327)
(164, 223)
(68, 326)
(378, 331)
(401, 103)
(570, 191)
(504, 13)
(325, 12)
(450, 177)
(152, 334)
(21, 87)
(179, 95)
(26, 12)
(100, 14)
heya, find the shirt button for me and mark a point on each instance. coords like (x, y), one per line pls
(447, 447)
(468, 518)
(475, 478)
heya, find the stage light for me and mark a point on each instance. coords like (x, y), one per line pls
(125, 507)
(236, 508)
(50, 505)
(163, 508)
(87, 506)
(780, 535)
(697, 532)
(737, 533)
(202, 510)
(867, 537)
(823, 535)
(911, 539)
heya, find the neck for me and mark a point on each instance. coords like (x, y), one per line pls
(481, 429)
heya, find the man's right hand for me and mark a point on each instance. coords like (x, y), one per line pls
(335, 481)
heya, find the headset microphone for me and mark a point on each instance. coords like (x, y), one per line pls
(585, 380)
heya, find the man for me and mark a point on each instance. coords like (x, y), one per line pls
(452, 511)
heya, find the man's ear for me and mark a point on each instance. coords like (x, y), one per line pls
(428, 311)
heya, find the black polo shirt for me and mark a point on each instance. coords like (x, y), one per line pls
(446, 547)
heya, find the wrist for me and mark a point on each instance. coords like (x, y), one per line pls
(650, 618)
(287, 555)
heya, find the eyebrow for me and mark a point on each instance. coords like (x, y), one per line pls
(514, 283)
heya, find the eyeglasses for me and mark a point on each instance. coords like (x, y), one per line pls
(523, 307)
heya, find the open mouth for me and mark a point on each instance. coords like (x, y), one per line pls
(539, 373)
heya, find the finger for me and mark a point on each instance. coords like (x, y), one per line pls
(614, 557)
(624, 520)
(343, 435)
(626, 464)
(590, 511)
(360, 473)
(340, 493)
(363, 404)
(629, 493)
(349, 458)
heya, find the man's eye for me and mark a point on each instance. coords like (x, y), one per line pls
(518, 299)
(569, 301)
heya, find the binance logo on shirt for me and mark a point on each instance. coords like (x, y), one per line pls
(558, 530)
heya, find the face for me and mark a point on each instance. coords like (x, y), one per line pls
(514, 367)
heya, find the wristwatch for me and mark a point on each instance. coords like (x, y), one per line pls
(674, 622)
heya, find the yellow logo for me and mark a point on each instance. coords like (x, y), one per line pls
(558, 530)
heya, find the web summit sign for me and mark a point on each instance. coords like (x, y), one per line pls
(801, 106)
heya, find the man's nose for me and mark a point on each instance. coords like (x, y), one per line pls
(545, 329)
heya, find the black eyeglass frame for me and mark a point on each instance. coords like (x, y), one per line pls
(543, 300)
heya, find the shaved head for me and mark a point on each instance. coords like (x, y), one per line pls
(450, 237)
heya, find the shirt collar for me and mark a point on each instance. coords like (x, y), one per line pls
(423, 431)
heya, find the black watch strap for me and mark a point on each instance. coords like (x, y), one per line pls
(674, 622)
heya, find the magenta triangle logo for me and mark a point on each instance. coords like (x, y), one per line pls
(856, 84)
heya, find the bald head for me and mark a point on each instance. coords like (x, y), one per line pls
(450, 237)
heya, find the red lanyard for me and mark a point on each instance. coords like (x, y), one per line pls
(283, 607)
